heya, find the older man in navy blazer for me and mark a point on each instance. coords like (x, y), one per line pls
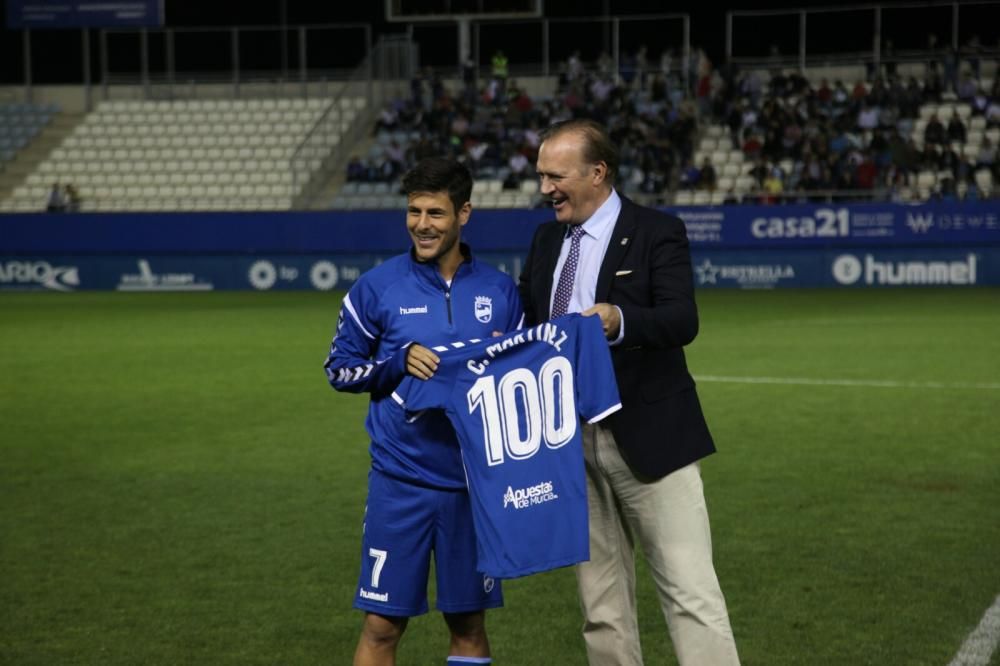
(631, 266)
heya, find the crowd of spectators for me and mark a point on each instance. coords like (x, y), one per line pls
(868, 138)
(799, 141)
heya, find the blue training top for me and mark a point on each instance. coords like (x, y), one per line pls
(397, 303)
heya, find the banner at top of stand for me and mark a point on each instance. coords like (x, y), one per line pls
(84, 13)
(810, 225)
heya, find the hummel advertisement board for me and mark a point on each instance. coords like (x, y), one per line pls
(84, 13)
(867, 267)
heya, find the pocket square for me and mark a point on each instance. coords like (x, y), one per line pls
(621, 273)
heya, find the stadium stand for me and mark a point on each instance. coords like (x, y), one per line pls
(20, 123)
(754, 135)
(229, 154)
(704, 135)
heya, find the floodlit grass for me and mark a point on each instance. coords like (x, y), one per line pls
(180, 486)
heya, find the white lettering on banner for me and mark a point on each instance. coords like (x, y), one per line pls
(522, 498)
(920, 223)
(147, 280)
(746, 275)
(703, 226)
(41, 273)
(828, 223)
(848, 269)
(263, 274)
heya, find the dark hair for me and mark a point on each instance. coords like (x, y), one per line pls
(597, 145)
(440, 174)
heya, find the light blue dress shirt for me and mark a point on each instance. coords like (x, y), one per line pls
(593, 245)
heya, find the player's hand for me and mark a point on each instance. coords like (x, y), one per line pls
(611, 320)
(421, 362)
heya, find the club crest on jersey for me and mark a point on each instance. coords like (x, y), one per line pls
(484, 309)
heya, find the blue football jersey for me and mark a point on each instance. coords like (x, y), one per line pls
(397, 303)
(516, 403)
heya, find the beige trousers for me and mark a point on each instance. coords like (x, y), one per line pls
(669, 519)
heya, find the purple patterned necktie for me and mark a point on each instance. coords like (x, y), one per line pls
(564, 289)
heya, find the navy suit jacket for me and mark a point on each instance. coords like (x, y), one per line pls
(646, 272)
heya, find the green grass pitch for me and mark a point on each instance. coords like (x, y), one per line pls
(179, 485)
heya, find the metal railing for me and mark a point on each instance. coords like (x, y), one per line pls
(870, 35)
(383, 74)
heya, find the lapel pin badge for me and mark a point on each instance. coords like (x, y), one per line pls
(625, 241)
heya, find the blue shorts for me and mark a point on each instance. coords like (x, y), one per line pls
(403, 524)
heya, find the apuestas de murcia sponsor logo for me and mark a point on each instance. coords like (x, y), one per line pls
(522, 498)
(147, 280)
(484, 309)
(39, 274)
(747, 275)
(848, 269)
(374, 596)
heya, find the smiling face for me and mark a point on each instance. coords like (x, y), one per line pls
(436, 228)
(576, 187)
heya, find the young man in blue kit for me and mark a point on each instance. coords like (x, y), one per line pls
(417, 497)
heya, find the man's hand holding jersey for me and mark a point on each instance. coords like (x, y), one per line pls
(421, 362)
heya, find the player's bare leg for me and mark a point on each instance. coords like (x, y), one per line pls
(468, 636)
(379, 639)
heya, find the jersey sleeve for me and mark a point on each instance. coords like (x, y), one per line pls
(351, 365)
(596, 386)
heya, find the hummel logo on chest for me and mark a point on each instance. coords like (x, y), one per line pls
(420, 310)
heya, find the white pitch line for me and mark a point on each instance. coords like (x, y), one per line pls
(872, 383)
(980, 645)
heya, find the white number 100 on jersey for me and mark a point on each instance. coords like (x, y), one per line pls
(546, 403)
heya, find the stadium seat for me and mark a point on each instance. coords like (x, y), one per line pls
(984, 180)
(744, 184)
(731, 170)
(926, 180)
(529, 186)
